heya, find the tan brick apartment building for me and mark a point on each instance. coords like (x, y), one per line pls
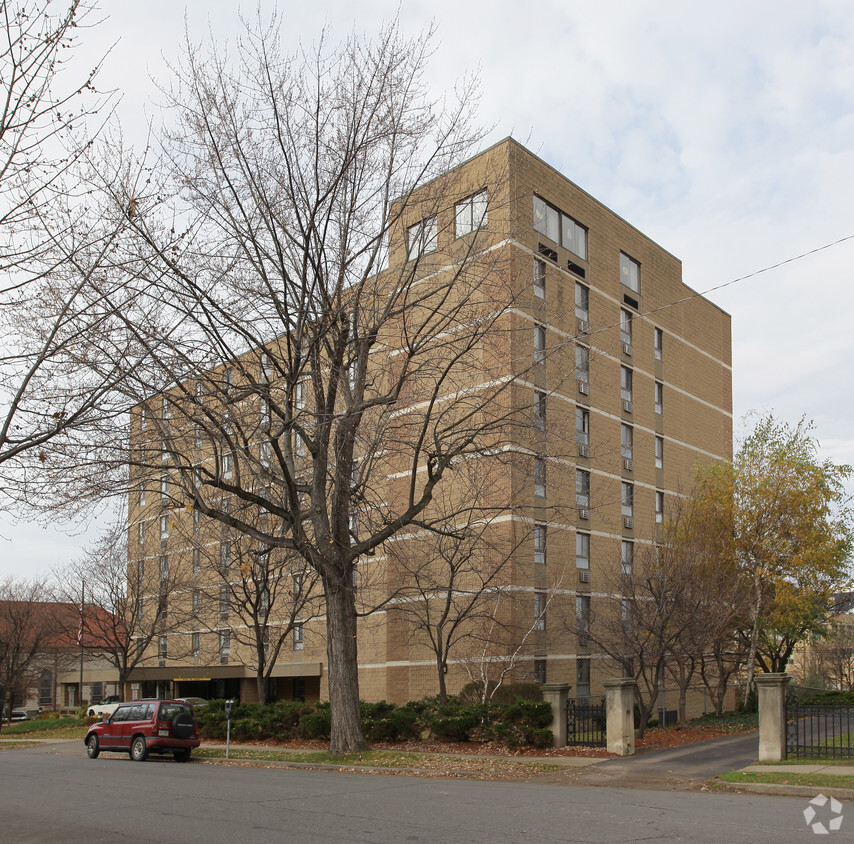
(623, 374)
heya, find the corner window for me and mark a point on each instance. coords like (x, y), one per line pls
(471, 214)
(658, 334)
(422, 238)
(164, 527)
(582, 426)
(164, 567)
(630, 273)
(659, 506)
(626, 326)
(627, 499)
(582, 301)
(626, 441)
(540, 536)
(659, 452)
(162, 648)
(225, 555)
(197, 601)
(224, 647)
(582, 551)
(196, 645)
(582, 618)
(582, 488)
(197, 560)
(627, 556)
(582, 363)
(659, 397)
(141, 533)
(224, 601)
(625, 383)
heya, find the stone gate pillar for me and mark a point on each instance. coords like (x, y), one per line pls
(557, 695)
(771, 691)
(620, 715)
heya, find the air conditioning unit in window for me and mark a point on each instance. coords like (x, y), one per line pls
(583, 450)
(583, 388)
(583, 326)
(627, 406)
(583, 513)
(628, 522)
(627, 349)
(628, 464)
(583, 576)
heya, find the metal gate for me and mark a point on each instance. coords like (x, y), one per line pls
(819, 731)
(585, 722)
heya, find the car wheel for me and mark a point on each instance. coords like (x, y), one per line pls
(92, 747)
(138, 749)
(91, 713)
(182, 755)
(182, 725)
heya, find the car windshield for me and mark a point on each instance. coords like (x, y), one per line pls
(169, 710)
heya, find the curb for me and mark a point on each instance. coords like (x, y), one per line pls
(778, 790)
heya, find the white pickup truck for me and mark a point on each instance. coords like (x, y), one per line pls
(106, 707)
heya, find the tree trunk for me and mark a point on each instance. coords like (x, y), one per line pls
(443, 689)
(343, 670)
(261, 684)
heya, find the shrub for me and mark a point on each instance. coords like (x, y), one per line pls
(316, 725)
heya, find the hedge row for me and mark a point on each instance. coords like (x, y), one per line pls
(523, 722)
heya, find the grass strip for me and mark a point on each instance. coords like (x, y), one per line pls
(811, 761)
(794, 778)
(380, 759)
(39, 725)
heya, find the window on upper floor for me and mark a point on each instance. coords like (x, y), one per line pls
(539, 671)
(164, 567)
(582, 301)
(224, 647)
(626, 441)
(560, 227)
(162, 647)
(539, 278)
(197, 560)
(141, 533)
(224, 555)
(196, 645)
(582, 426)
(627, 499)
(582, 488)
(540, 538)
(582, 618)
(625, 383)
(539, 344)
(582, 551)
(540, 410)
(197, 601)
(164, 527)
(658, 342)
(659, 506)
(539, 610)
(224, 601)
(539, 476)
(298, 637)
(659, 452)
(659, 397)
(422, 238)
(626, 326)
(582, 363)
(582, 678)
(627, 556)
(630, 273)
(471, 214)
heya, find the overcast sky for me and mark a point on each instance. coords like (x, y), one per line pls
(725, 132)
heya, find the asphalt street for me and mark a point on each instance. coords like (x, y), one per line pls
(54, 793)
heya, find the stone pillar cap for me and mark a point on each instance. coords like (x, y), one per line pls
(771, 679)
(619, 682)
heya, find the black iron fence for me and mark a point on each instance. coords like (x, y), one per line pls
(819, 730)
(585, 721)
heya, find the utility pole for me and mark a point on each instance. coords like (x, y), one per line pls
(80, 641)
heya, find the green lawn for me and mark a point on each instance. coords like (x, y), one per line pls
(793, 778)
(45, 728)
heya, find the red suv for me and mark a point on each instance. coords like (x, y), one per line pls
(146, 726)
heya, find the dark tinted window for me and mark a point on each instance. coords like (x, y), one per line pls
(121, 714)
(169, 710)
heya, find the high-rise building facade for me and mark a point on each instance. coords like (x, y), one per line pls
(617, 383)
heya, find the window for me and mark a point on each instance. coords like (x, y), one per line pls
(630, 273)
(227, 465)
(582, 488)
(423, 238)
(582, 551)
(164, 527)
(298, 583)
(164, 452)
(659, 452)
(164, 567)
(164, 488)
(582, 426)
(658, 334)
(162, 649)
(471, 214)
(195, 645)
(197, 436)
(627, 556)
(140, 571)
(582, 363)
(539, 610)
(264, 603)
(46, 689)
(540, 536)
(197, 561)
(197, 601)
(143, 419)
(142, 496)
(539, 476)
(626, 615)
(224, 554)
(265, 368)
(539, 344)
(167, 409)
(626, 326)
(582, 678)
(224, 647)
(659, 397)
(582, 302)
(298, 637)
(140, 529)
(659, 506)
(626, 441)
(539, 278)
(540, 410)
(560, 228)
(265, 454)
(197, 519)
(162, 606)
(625, 383)
(539, 671)
(582, 618)
(96, 691)
(627, 499)
(224, 602)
